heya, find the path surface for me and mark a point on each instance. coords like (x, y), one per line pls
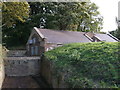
(20, 82)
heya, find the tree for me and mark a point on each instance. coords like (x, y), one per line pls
(17, 36)
(14, 11)
(91, 20)
(80, 16)
(116, 32)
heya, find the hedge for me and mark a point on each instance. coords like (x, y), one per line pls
(87, 65)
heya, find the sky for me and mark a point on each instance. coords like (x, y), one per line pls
(109, 10)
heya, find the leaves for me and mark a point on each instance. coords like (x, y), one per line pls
(14, 11)
(76, 16)
(68, 16)
(87, 65)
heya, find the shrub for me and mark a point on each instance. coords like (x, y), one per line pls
(91, 65)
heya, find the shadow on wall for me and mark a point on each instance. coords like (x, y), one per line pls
(47, 72)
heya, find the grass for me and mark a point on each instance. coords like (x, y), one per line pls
(87, 65)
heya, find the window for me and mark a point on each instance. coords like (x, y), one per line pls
(32, 50)
(30, 41)
(36, 50)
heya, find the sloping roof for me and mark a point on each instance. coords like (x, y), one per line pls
(105, 37)
(56, 36)
(64, 37)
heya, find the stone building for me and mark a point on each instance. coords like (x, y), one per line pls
(42, 40)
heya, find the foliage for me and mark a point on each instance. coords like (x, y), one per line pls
(17, 36)
(20, 32)
(66, 16)
(87, 65)
(116, 33)
(80, 16)
(14, 11)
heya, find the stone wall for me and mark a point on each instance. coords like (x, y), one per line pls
(2, 74)
(48, 73)
(16, 53)
(22, 66)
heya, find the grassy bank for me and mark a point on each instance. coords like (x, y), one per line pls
(90, 65)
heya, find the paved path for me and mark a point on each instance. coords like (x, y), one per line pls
(20, 82)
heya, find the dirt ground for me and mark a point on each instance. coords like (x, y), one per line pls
(20, 82)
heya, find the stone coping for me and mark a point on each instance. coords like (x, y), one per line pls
(22, 58)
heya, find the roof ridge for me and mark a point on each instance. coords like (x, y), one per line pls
(60, 30)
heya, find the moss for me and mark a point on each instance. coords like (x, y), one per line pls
(87, 64)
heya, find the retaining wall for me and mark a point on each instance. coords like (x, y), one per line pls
(22, 66)
(48, 73)
(2, 73)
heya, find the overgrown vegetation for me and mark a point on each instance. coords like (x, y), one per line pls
(87, 65)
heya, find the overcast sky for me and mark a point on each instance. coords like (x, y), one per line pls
(109, 10)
